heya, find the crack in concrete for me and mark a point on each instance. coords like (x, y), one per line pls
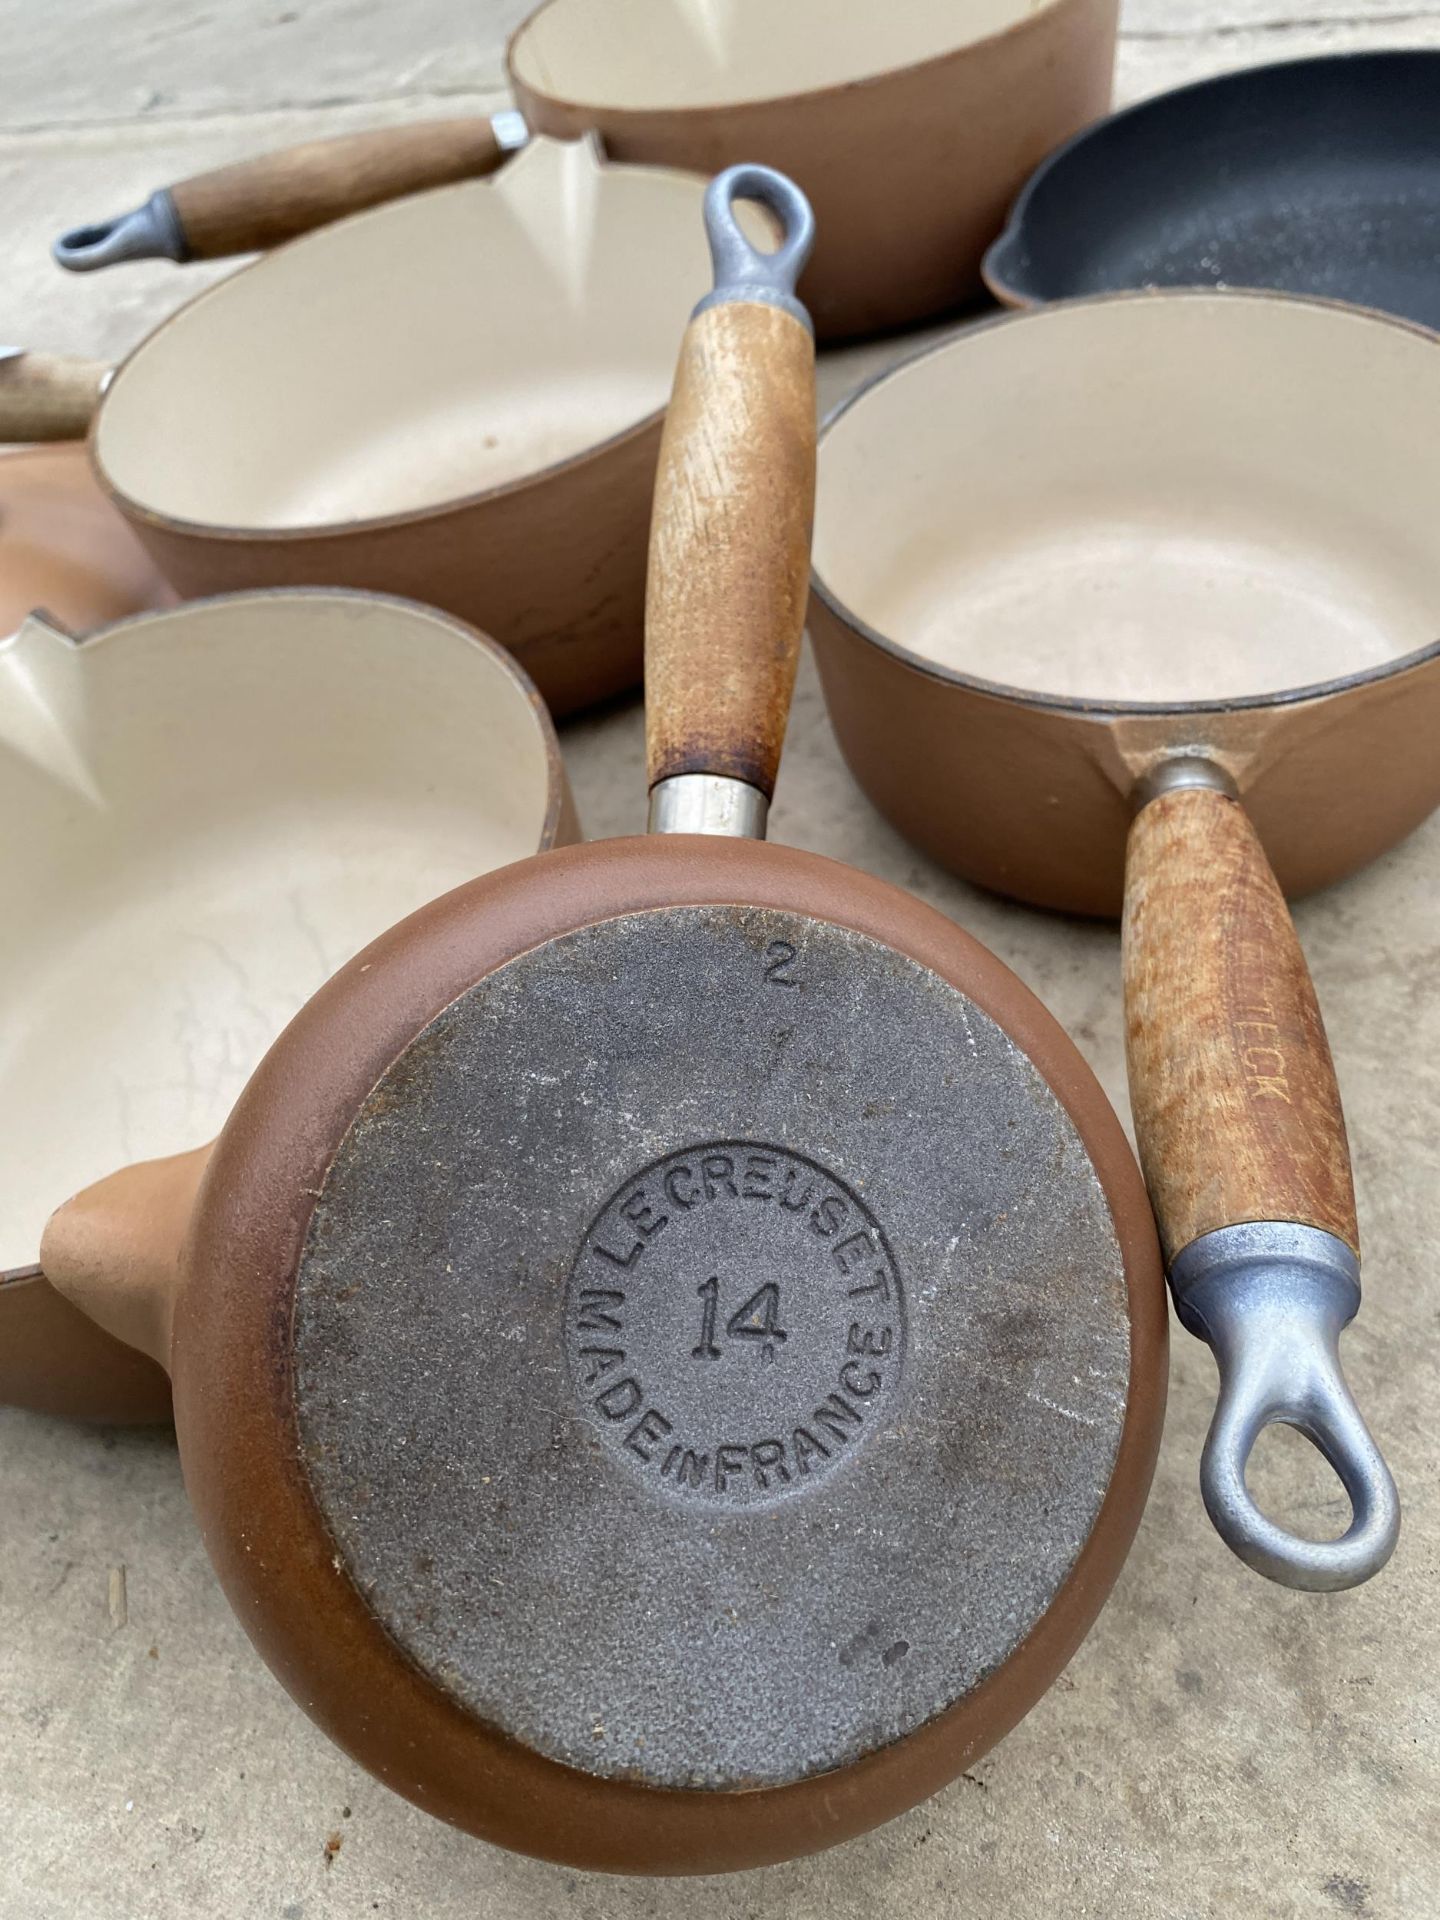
(486, 99)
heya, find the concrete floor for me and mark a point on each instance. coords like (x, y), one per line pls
(1219, 1746)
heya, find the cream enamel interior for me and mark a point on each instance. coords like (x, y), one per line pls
(648, 54)
(1159, 498)
(211, 810)
(434, 348)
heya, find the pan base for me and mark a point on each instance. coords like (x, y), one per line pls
(1375, 250)
(710, 1348)
(465, 445)
(1131, 605)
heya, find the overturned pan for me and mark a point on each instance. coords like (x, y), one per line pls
(455, 398)
(911, 127)
(1110, 556)
(220, 805)
(598, 1325)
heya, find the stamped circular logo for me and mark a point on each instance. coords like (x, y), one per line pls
(735, 1323)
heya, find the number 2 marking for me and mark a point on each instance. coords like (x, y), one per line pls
(779, 957)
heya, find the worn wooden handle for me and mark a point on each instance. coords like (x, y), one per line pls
(48, 396)
(1237, 1113)
(730, 545)
(259, 203)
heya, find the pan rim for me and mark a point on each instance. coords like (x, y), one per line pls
(474, 637)
(792, 100)
(229, 531)
(552, 820)
(1078, 704)
(1155, 105)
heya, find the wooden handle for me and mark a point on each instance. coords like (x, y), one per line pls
(114, 1250)
(1237, 1113)
(730, 545)
(259, 203)
(48, 396)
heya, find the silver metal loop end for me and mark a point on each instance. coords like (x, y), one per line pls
(151, 232)
(1271, 1299)
(742, 271)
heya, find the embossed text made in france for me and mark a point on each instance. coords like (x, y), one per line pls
(735, 1322)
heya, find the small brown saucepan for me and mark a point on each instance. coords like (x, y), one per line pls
(209, 811)
(456, 398)
(912, 126)
(669, 1349)
(1159, 555)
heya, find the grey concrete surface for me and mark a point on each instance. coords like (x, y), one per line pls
(1218, 1747)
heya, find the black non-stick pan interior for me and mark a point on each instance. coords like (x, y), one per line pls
(1316, 176)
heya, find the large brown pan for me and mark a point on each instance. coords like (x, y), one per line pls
(910, 125)
(456, 398)
(1170, 553)
(208, 811)
(669, 1348)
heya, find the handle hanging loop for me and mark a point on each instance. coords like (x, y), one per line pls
(1271, 1299)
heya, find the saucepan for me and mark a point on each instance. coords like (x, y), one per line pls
(911, 127)
(211, 809)
(1169, 556)
(597, 1327)
(456, 398)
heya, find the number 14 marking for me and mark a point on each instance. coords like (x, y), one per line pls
(757, 1318)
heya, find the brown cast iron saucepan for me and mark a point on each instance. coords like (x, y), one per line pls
(669, 1349)
(211, 810)
(911, 127)
(456, 398)
(1164, 554)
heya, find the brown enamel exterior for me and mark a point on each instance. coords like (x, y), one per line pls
(1237, 1111)
(54, 1359)
(1032, 797)
(237, 1423)
(64, 548)
(553, 566)
(910, 173)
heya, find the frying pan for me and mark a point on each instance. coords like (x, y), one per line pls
(63, 546)
(220, 804)
(1221, 501)
(910, 126)
(1315, 176)
(455, 398)
(668, 1349)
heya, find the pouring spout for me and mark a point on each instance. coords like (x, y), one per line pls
(114, 1250)
(149, 232)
